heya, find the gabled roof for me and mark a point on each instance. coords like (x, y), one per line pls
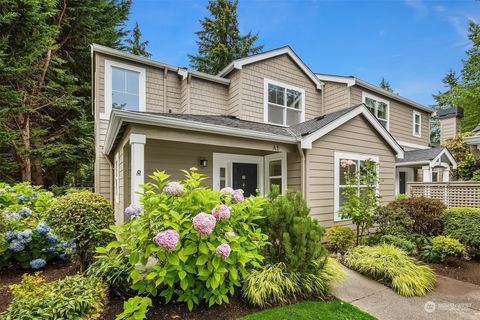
(351, 81)
(426, 156)
(239, 63)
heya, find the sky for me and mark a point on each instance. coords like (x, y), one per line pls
(412, 43)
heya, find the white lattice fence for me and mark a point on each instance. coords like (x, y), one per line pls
(453, 194)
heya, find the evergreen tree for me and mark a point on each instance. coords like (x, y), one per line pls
(46, 128)
(384, 84)
(219, 41)
(136, 46)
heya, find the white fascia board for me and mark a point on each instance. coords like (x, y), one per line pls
(412, 163)
(239, 63)
(449, 157)
(185, 72)
(412, 145)
(473, 140)
(118, 117)
(306, 142)
(349, 81)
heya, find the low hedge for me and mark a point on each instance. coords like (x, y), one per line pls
(463, 224)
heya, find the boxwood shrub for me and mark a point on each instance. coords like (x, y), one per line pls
(463, 224)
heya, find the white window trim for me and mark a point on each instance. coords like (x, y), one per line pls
(116, 169)
(415, 134)
(336, 163)
(266, 82)
(377, 98)
(273, 157)
(108, 86)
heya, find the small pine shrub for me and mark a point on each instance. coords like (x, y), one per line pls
(443, 247)
(74, 297)
(392, 221)
(463, 224)
(399, 242)
(426, 214)
(340, 238)
(393, 267)
(81, 216)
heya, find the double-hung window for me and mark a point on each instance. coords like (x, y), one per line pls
(284, 104)
(347, 164)
(417, 124)
(276, 171)
(380, 108)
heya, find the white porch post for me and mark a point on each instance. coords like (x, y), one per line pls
(446, 174)
(137, 154)
(427, 175)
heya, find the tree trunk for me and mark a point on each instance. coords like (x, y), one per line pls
(37, 173)
(24, 154)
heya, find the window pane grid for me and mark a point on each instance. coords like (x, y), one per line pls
(379, 109)
(288, 105)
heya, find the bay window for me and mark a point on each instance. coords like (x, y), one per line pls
(380, 108)
(284, 104)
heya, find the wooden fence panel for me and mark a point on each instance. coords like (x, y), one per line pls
(453, 194)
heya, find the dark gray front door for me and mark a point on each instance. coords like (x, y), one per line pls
(402, 181)
(245, 177)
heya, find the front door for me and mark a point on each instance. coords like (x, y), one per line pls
(402, 176)
(245, 177)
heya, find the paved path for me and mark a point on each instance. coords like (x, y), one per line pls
(450, 300)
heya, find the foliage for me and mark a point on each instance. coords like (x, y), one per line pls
(400, 242)
(74, 297)
(25, 195)
(197, 257)
(46, 128)
(401, 196)
(219, 42)
(443, 247)
(392, 221)
(294, 236)
(467, 164)
(274, 284)
(393, 267)
(426, 214)
(332, 310)
(340, 238)
(359, 204)
(136, 45)
(135, 308)
(463, 224)
(464, 90)
(468, 168)
(29, 283)
(81, 216)
(112, 268)
(384, 84)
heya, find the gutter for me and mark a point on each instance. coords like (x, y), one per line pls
(472, 140)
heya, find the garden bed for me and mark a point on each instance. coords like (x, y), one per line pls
(463, 270)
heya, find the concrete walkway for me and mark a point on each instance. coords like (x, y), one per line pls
(450, 300)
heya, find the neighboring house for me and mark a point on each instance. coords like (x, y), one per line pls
(265, 119)
(474, 141)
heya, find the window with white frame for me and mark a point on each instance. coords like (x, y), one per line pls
(284, 104)
(417, 124)
(380, 108)
(347, 164)
(116, 169)
(124, 87)
(276, 171)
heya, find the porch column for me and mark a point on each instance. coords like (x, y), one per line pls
(427, 175)
(137, 154)
(446, 174)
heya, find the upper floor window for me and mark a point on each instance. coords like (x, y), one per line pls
(417, 124)
(124, 87)
(284, 104)
(380, 108)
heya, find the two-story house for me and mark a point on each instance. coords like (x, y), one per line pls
(263, 120)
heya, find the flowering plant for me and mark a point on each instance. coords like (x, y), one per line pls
(198, 256)
(24, 195)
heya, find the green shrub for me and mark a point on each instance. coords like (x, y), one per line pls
(340, 238)
(401, 196)
(393, 267)
(426, 214)
(392, 221)
(135, 308)
(198, 257)
(25, 195)
(296, 238)
(463, 224)
(399, 242)
(81, 216)
(273, 284)
(75, 297)
(443, 247)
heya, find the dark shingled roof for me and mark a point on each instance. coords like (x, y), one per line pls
(421, 155)
(310, 126)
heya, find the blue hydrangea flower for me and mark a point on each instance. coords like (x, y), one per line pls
(17, 245)
(69, 244)
(42, 228)
(133, 210)
(64, 256)
(25, 212)
(23, 198)
(52, 249)
(38, 263)
(27, 233)
(53, 239)
(10, 235)
(11, 215)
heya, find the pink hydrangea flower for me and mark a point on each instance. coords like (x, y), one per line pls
(173, 188)
(230, 234)
(223, 250)
(168, 239)
(238, 196)
(347, 163)
(204, 223)
(222, 212)
(227, 191)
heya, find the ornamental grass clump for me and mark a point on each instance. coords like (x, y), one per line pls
(198, 256)
(392, 267)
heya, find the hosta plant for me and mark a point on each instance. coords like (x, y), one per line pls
(189, 243)
(443, 247)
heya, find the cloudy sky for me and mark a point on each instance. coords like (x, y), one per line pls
(411, 43)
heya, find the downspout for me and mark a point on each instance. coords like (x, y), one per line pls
(165, 74)
(302, 170)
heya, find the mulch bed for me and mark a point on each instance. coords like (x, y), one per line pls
(463, 270)
(53, 271)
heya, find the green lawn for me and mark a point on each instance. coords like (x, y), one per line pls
(335, 310)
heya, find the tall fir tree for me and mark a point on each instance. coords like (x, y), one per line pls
(135, 43)
(219, 41)
(46, 128)
(384, 84)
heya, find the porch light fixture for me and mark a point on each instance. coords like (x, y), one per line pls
(204, 162)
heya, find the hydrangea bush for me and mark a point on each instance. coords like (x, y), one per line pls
(15, 197)
(202, 241)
